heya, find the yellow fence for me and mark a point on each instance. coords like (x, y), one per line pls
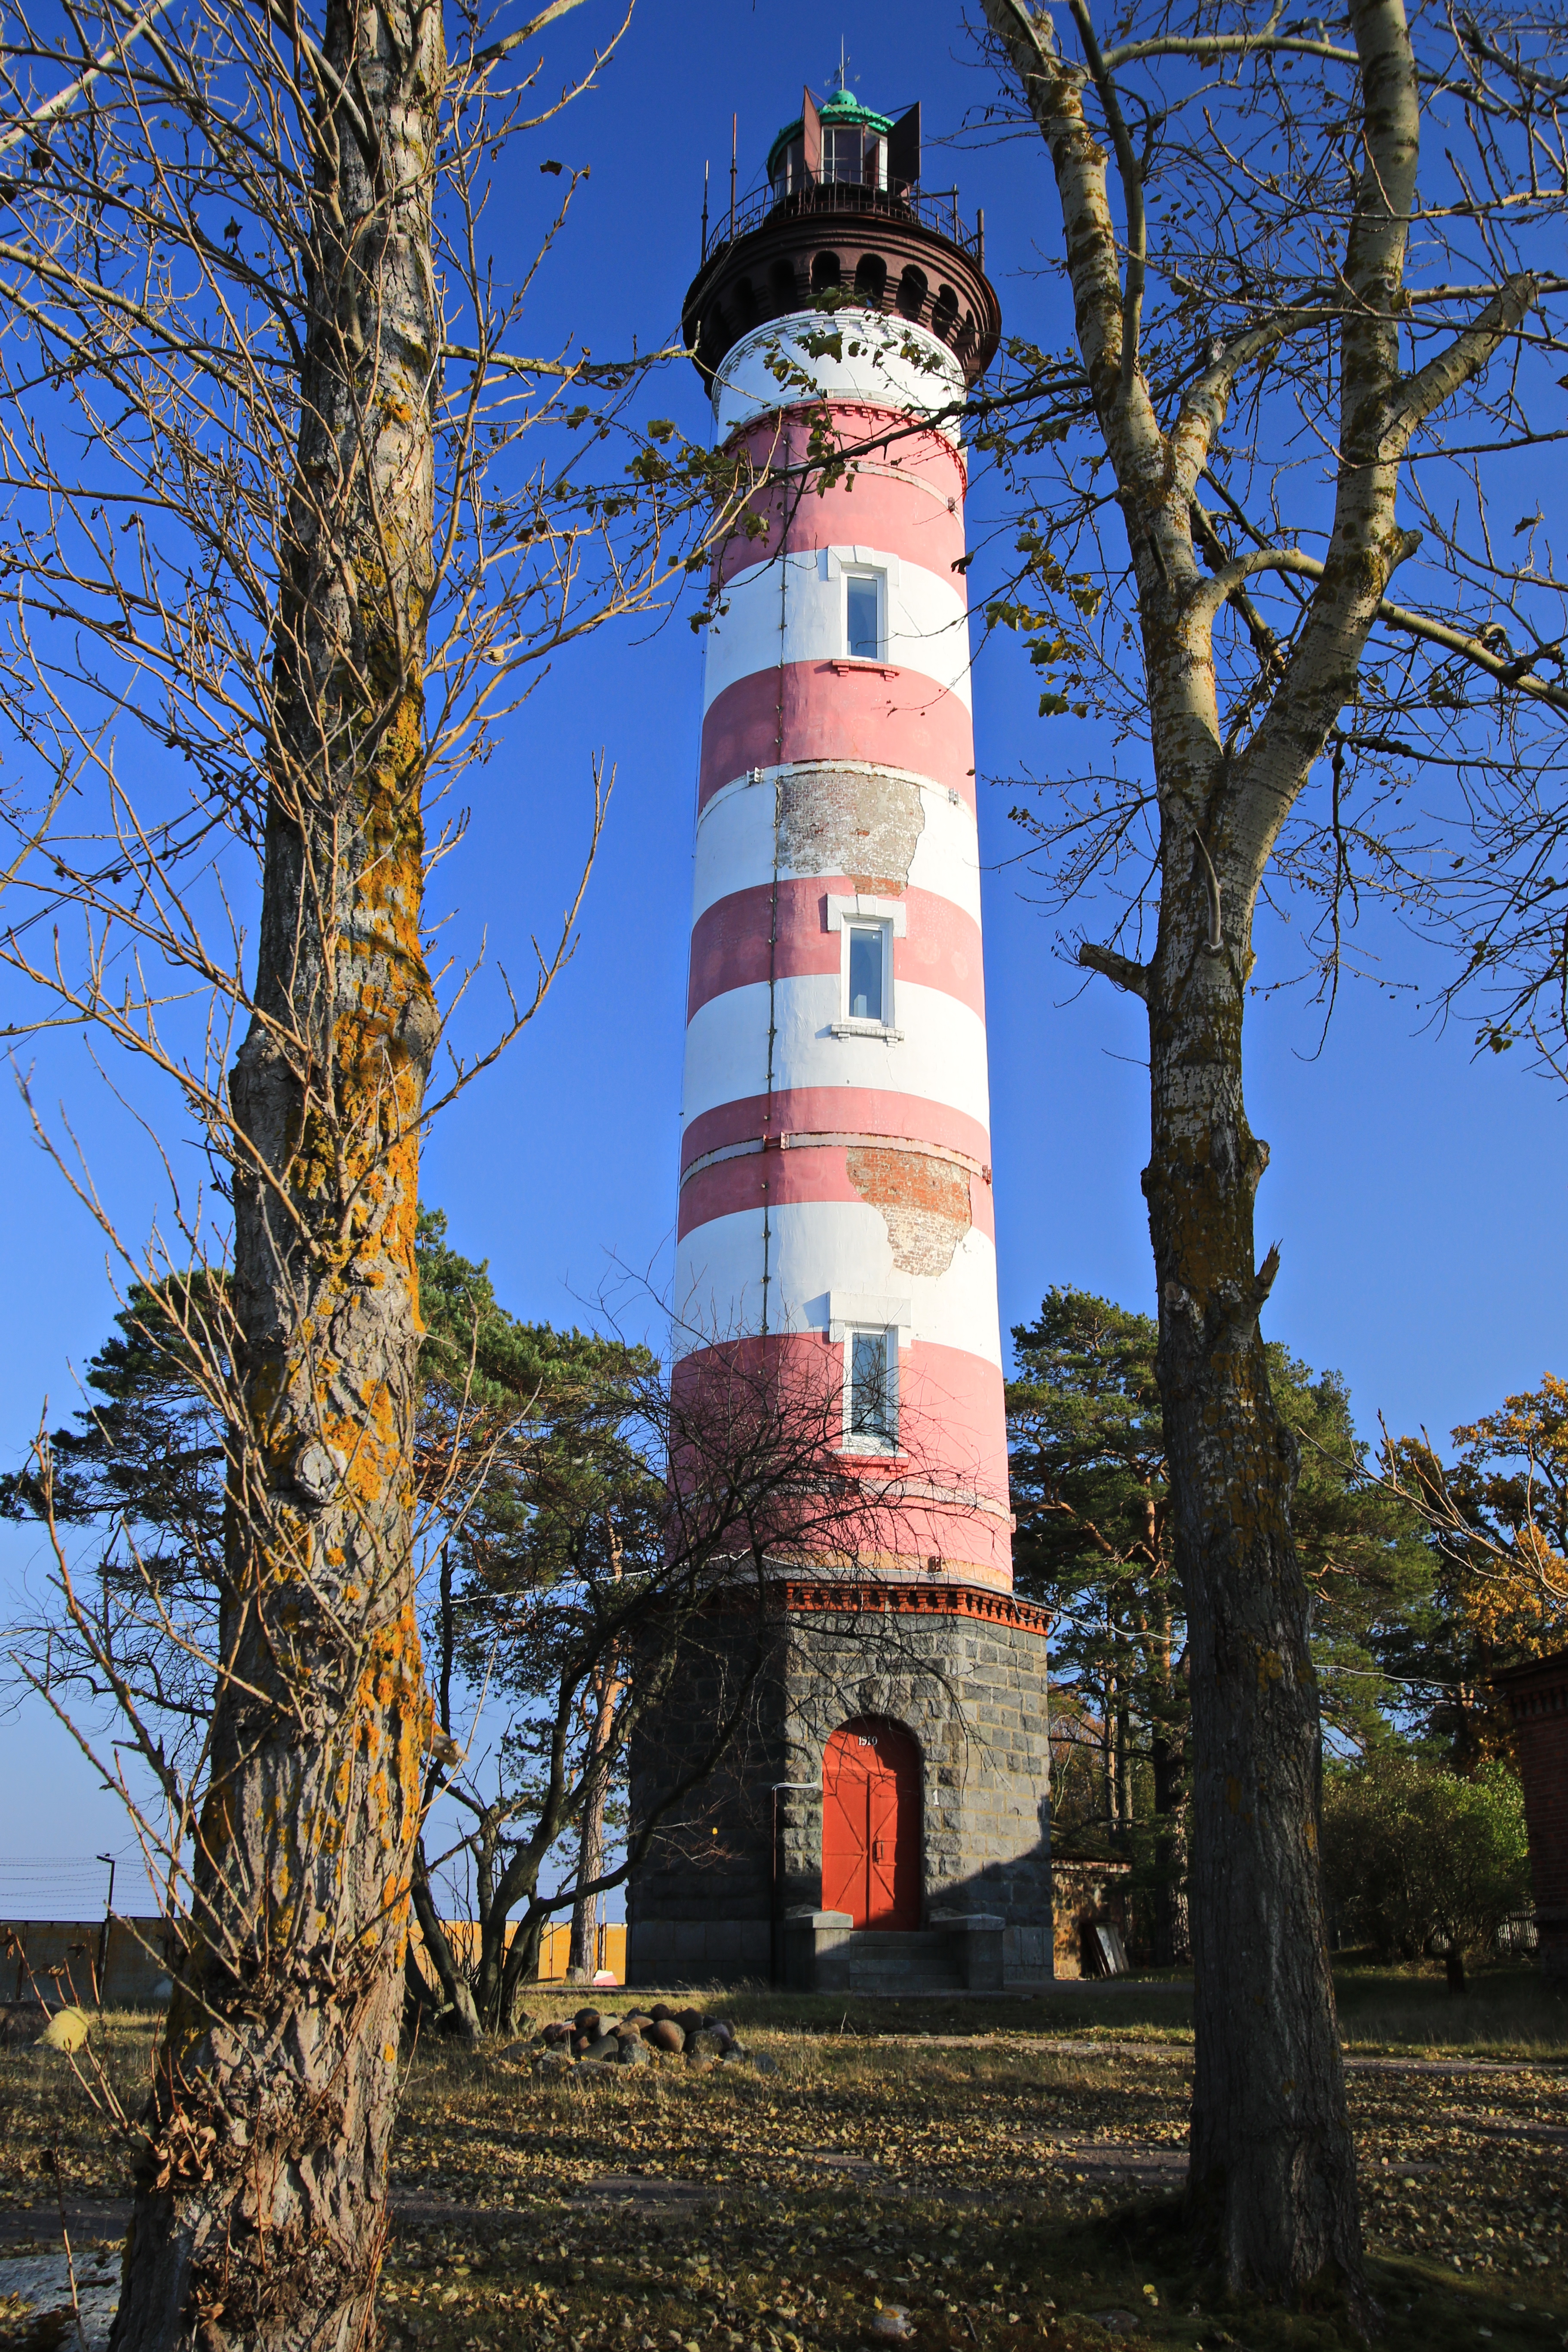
(556, 1942)
(554, 1946)
(59, 1960)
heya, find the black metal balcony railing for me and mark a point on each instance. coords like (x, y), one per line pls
(935, 209)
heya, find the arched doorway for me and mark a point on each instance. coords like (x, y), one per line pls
(871, 1823)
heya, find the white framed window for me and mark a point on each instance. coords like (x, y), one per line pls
(869, 980)
(869, 927)
(871, 1389)
(865, 615)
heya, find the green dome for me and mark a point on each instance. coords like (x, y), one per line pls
(841, 111)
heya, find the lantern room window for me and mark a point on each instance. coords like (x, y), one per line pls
(851, 157)
(854, 157)
(789, 169)
(842, 144)
(823, 150)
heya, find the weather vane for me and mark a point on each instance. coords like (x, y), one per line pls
(841, 77)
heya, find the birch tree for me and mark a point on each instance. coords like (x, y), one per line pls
(1312, 271)
(290, 516)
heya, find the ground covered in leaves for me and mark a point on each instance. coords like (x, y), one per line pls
(955, 2176)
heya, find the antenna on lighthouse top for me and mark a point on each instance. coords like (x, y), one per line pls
(735, 147)
(705, 208)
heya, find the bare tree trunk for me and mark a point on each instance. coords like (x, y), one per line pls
(1171, 1945)
(456, 2006)
(259, 2210)
(490, 1977)
(582, 1955)
(492, 1908)
(1272, 2179)
(583, 1952)
(1124, 1759)
(462, 2017)
(1167, 1762)
(1107, 1738)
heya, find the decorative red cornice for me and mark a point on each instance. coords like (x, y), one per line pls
(910, 1601)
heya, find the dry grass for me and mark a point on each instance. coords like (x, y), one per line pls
(1507, 2012)
(1003, 2192)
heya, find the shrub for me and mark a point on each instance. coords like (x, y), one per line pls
(1417, 1858)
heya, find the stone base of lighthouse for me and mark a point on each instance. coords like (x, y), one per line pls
(906, 1720)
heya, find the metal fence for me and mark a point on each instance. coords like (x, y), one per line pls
(1518, 1934)
(936, 209)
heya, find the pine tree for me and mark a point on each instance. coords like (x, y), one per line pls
(1090, 1489)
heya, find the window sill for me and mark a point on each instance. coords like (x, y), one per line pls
(867, 1029)
(843, 661)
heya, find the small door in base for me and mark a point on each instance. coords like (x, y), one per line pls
(871, 1823)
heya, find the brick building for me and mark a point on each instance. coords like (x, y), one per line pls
(1537, 1697)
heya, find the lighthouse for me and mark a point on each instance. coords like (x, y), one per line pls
(884, 1822)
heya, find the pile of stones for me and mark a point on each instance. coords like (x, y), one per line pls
(639, 2039)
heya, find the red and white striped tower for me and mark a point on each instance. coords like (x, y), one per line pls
(836, 1167)
(835, 1198)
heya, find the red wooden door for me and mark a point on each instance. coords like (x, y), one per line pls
(871, 1824)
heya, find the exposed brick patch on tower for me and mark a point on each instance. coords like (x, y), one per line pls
(850, 821)
(924, 1202)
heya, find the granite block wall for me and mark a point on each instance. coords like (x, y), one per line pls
(731, 1856)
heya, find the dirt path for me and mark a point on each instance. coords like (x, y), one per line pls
(1162, 2053)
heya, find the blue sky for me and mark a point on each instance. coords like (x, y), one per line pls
(1416, 1192)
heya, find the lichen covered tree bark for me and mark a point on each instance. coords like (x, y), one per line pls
(260, 2201)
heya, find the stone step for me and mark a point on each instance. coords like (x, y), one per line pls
(889, 1959)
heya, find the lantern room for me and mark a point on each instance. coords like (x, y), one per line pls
(842, 209)
(844, 144)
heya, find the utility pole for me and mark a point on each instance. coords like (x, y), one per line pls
(104, 1931)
